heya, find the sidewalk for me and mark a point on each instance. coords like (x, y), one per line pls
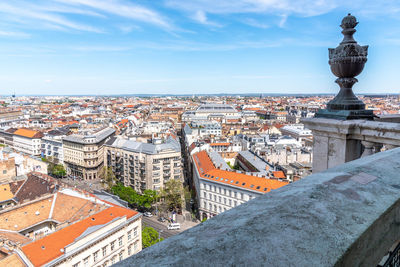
(185, 224)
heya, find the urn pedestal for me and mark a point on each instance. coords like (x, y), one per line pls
(346, 62)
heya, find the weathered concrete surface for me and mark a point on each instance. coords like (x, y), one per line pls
(338, 141)
(346, 216)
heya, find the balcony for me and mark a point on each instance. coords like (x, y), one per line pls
(347, 215)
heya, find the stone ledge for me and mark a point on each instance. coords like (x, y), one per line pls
(348, 215)
(380, 132)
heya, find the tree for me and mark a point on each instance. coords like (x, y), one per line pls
(107, 177)
(148, 198)
(58, 170)
(172, 194)
(127, 193)
(150, 237)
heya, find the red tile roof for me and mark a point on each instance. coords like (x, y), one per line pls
(49, 248)
(208, 171)
(220, 144)
(28, 133)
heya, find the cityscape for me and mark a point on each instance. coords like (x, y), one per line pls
(211, 168)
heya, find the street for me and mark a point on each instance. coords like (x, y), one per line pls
(160, 227)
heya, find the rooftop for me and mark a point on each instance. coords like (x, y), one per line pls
(208, 171)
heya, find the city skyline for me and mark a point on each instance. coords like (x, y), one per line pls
(85, 47)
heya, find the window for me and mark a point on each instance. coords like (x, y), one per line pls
(86, 261)
(135, 231)
(120, 241)
(95, 256)
(76, 264)
(224, 200)
(113, 260)
(219, 199)
(135, 245)
(130, 250)
(121, 257)
(104, 251)
(224, 191)
(234, 203)
(112, 245)
(129, 235)
(230, 202)
(205, 195)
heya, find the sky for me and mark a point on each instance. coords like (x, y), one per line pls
(103, 47)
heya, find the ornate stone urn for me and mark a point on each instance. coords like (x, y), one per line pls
(347, 61)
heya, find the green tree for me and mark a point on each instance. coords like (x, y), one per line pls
(58, 170)
(127, 193)
(148, 198)
(107, 177)
(172, 194)
(150, 237)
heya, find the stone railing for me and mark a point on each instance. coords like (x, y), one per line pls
(348, 215)
(338, 141)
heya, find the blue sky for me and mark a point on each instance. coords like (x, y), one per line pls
(190, 46)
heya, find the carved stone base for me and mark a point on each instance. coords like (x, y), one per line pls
(345, 114)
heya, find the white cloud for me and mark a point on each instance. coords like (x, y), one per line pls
(27, 12)
(128, 28)
(300, 7)
(124, 9)
(201, 17)
(14, 34)
(254, 23)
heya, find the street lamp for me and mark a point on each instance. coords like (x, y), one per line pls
(159, 235)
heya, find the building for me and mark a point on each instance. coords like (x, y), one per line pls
(27, 141)
(296, 131)
(211, 111)
(10, 117)
(220, 189)
(210, 128)
(48, 224)
(6, 136)
(144, 165)
(84, 153)
(17, 164)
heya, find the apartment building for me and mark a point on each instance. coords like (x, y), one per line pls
(220, 189)
(52, 225)
(211, 111)
(296, 131)
(27, 141)
(84, 153)
(52, 144)
(144, 165)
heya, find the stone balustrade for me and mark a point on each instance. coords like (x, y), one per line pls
(348, 215)
(338, 141)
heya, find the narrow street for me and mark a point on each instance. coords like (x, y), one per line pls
(160, 227)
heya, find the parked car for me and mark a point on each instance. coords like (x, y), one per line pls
(148, 214)
(174, 226)
(162, 219)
